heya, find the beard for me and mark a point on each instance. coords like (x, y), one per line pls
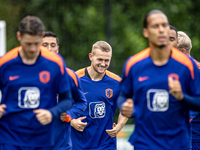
(162, 45)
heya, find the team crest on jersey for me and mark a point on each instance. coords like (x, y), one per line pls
(44, 76)
(174, 76)
(109, 93)
(157, 100)
(97, 109)
(28, 97)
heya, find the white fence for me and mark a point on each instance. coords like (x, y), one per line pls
(2, 37)
(2, 40)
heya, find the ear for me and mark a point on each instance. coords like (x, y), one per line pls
(58, 49)
(43, 34)
(177, 44)
(183, 50)
(18, 36)
(90, 56)
(145, 33)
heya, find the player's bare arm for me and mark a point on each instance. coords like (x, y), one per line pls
(78, 124)
(2, 109)
(117, 128)
(63, 116)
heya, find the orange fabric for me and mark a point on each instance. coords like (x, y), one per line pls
(137, 57)
(68, 118)
(198, 64)
(44, 76)
(114, 76)
(53, 57)
(182, 58)
(176, 54)
(174, 76)
(191, 119)
(71, 73)
(80, 72)
(109, 93)
(9, 55)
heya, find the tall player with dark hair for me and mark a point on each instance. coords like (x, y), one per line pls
(158, 80)
(51, 41)
(30, 78)
(173, 36)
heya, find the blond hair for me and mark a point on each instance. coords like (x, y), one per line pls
(102, 45)
(184, 41)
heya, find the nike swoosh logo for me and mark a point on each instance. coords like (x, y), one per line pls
(11, 78)
(143, 78)
(85, 93)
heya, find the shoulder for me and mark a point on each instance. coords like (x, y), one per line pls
(136, 58)
(80, 72)
(179, 56)
(73, 76)
(183, 59)
(70, 71)
(9, 56)
(197, 63)
(113, 76)
(51, 56)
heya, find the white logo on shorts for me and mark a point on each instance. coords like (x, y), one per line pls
(157, 100)
(97, 109)
(28, 97)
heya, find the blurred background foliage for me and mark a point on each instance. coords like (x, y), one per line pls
(80, 23)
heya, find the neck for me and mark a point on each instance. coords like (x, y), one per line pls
(188, 53)
(160, 55)
(28, 60)
(95, 76)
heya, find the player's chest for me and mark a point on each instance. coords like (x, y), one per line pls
(27, 76)
(99, 91)
(156, 77)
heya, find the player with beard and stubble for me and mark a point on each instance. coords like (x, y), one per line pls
(156, 85)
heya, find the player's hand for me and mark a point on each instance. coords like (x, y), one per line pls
(127, 108)
(114, 131)
(78, 124)
(175, 88)
(65, 117)
(2, 109)
(43, 116)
